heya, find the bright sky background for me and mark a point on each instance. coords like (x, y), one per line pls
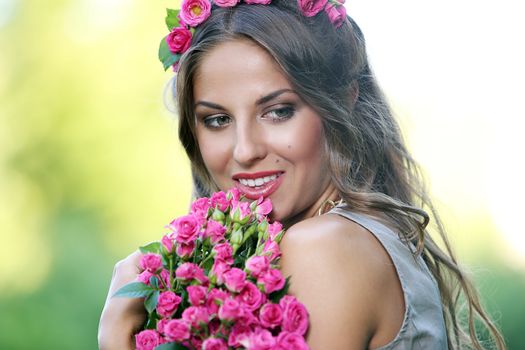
(455, 72)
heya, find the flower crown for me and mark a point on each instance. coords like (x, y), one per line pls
(182, 23)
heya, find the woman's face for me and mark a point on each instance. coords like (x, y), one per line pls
(255, 133)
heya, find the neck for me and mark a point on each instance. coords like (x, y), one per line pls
(330, 193)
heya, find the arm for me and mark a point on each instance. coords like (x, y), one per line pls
(121, 317)
(337, 273)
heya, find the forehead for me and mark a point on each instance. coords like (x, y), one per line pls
(237, 69)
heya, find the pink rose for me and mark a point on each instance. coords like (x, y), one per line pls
(274, 229)
(271, 315)
(196, 316)
(235, 279)
(147, 340)
(240, 332)
(241, 213)
(179, 40)
(264, 207)
(214, 344)
(194, 12)
(189, 271)
(199, 209)
(197, 295)
(185, 251)
(144, 277)
(216, 297)
(310, 8)
(167, 242)
(167, 303)
(261, 2)
(215, 231)
(187, 228)
(218, 270)
(165, 275)
(234, 196)
(151, 262)
(258, 265)
(272, 250)
(336, 14)
(218, 199)
(261, 339)
(291, 341)
(295, 316)
(224, 253)
(251, 297)
(177, 330)
(230, 310)
(272, 280)
(161, 323)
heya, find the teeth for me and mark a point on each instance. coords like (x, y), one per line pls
(257, 182)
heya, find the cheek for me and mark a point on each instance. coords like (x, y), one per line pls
(214, 153)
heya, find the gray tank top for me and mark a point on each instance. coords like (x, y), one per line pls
(423, 324)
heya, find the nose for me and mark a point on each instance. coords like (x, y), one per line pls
(249, 144)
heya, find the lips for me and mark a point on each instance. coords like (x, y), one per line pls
(260, 184)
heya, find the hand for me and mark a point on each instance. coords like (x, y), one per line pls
(121, 317)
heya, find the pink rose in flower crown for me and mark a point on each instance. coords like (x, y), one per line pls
(168, 303)
(179, 40)
(295, 316)
(194, 12)
(218, 199)
(290, 341)
(258, 265)
(177, 330)
(271, 315)
(197, 295)
(226, 3)
(336, 14)
(251, 297)
(271, 281)
(235, 279)
(214, 344)
(310, 8)
(186, 228)
(215, 231)
(151, 262)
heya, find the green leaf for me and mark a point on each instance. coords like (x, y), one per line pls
(153, 247)
(277, 295)
(154, 282)
(151, 301)
(171, 346)
(167, 57)
(134, 290)
(172, 18)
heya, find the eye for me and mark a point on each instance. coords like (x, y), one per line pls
(280, 114)
(216, 121)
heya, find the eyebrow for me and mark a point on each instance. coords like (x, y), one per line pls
(262, 100)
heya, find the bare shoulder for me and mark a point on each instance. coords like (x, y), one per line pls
(341, 273)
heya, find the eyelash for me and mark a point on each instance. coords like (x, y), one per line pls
(219, 121)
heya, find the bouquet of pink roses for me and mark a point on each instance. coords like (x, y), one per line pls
(213, 282)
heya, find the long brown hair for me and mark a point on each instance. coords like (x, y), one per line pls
(370, 164)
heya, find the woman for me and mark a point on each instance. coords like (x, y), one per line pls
(280, 102)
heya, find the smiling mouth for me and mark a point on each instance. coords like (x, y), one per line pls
(257, 185)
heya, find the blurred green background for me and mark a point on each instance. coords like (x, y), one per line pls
(90, 167)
